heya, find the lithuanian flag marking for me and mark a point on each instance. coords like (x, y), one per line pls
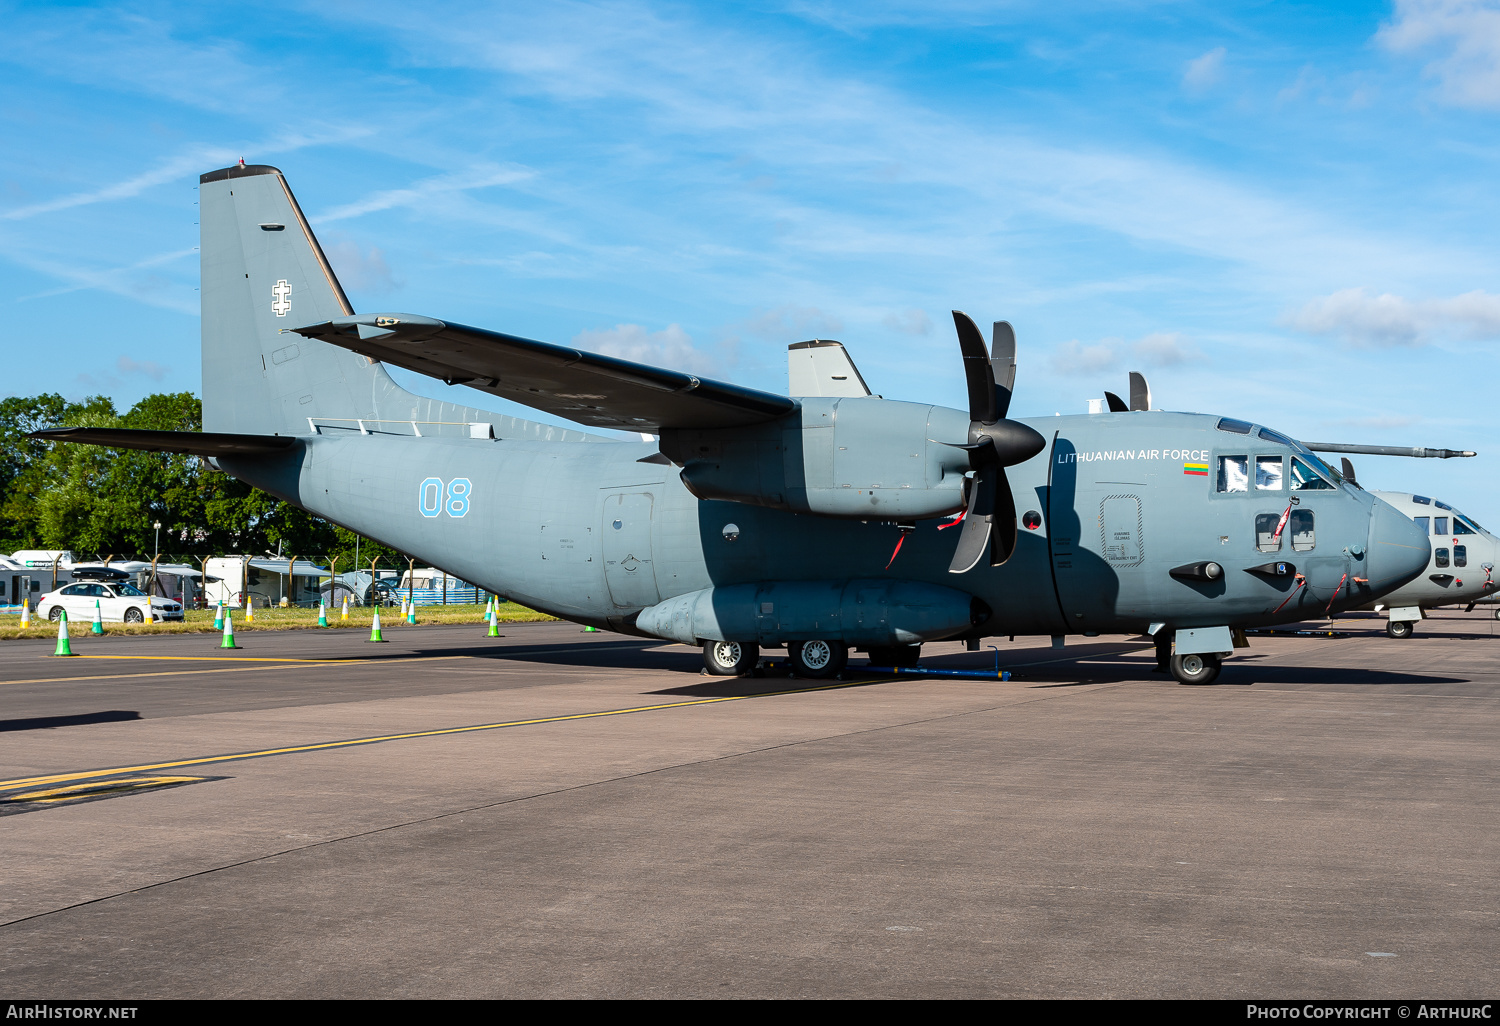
(1196, 469)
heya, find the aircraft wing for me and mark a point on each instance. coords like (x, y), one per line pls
(600, 391)
(193, 443)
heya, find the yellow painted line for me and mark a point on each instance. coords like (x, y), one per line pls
(227, 659)
(97, 789)
(246, 669)
(61, 778)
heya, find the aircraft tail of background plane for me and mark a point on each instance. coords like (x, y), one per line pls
(264, 274)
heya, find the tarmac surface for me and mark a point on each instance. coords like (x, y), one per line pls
(562, 814)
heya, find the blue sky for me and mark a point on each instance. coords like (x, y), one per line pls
(1281, 212)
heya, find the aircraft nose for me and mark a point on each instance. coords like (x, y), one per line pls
(1399, 549)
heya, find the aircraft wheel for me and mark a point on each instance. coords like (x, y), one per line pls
(1196, 668)
(817, 660)
(1497, 614)
(896, 655)
(1399, 628)
(729, 658)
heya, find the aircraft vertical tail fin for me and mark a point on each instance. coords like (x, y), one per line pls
(264, 274)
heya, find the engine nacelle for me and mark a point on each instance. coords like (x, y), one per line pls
(861, 458)
(860, 613)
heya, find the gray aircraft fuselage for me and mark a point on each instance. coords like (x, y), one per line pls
(587, 532)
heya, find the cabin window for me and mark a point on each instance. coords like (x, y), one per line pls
(1234, 473)
(1422, 522)
(1268, 473)
(1439, 557)
(1439, 525)
(1460, 555)
(1265, 532)
(1238, 427)
(1300, 527)
(1462, 526)
(1304, 478)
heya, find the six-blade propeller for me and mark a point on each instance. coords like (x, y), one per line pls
(994, 443)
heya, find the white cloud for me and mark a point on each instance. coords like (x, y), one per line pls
(910, 322)
(1466, 32)
(1205, 71)
(150, 368)
(1159, 349)
(359, 270)
(792, 323)
(1164, 349)
(1076, 359)
(426, 190)
(671, 348)
(1368, 321)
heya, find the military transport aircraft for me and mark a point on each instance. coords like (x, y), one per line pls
(1462, 571)
(820, 522)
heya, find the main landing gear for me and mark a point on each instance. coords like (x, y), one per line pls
(817, 660)
(1399, 628)
(1195, 668)
(729, 658)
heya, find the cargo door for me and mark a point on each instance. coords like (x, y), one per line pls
(629, 571)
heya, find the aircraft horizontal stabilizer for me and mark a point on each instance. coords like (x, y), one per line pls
(192, 443)
(600, 391)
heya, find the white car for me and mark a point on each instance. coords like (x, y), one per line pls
(117, 601)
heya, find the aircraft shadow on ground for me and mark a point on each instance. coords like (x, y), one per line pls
(80, 719)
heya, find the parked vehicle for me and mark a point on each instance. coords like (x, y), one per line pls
(117, 602)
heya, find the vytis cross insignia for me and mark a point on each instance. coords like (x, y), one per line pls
(280, 303)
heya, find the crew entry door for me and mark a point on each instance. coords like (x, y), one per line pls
(629, 571)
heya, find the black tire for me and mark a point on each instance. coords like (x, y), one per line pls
(1497, 614)
(55, 613)
(817, 660)
(1196, 668)
(896, 655)
(730, 658)
(134, 615)
(1399, 628)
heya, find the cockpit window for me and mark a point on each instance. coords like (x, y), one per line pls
(1239, 427)
(1421, 500)
(1422, 522)
(1268, 473)
(1439, 525)
(1234, 473)
(1463, 525)
(1441, 505)
(1304, 478)
(1278, 438)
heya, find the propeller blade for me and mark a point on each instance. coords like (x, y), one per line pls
(1140, 392)
(1003, 534)
(1116, 404)
(1003, 364)
(980, 375)
(1349, 471)
(974, 537)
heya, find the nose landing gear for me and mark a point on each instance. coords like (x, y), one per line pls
(1195, 668)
